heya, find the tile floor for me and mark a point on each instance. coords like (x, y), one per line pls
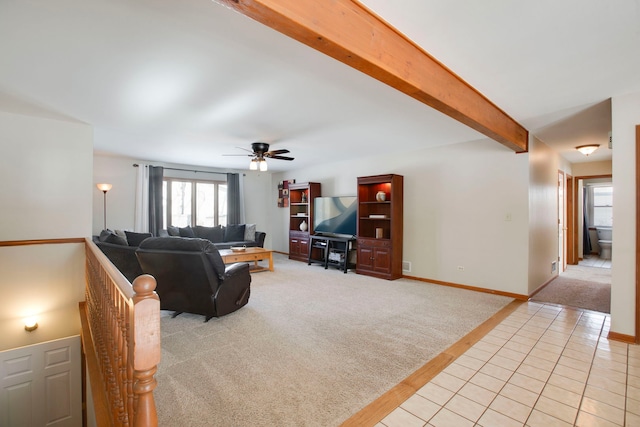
(595, 261)
(544, 365)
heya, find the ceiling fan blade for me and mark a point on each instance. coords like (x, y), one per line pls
(243, 155)
(281, 157)
(276, 152)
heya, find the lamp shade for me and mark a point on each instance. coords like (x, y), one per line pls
(587, 149)
(263, 165)
(104, 187)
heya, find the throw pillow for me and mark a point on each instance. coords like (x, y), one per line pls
(213, 234)
(134, 239)
(104, 234)
(234, 233)
(186, 231)
(120, 233)
(109, 236)
(250, 232)
(173, 231)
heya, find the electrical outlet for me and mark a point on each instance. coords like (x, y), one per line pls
(460, 268)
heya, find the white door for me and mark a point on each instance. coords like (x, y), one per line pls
(41, 385)
(561, 222)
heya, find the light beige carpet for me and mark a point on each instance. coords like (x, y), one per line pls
(311, 348)
(582, 287)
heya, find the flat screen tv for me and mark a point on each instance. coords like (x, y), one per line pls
(335, 215)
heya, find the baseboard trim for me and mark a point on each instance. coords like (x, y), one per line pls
(520, 297)
(371, 414)
(541, 287)
(615, 336)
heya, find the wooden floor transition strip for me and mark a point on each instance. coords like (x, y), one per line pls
(374, 412)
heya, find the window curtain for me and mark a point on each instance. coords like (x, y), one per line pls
(155, 199)
(586, 238)
(234, 197)
(141, 211)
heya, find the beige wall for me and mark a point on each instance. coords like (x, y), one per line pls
(543, 212)
(42, 162)
(457, 201)
(46, 167)
(604, 167)
(625, 117)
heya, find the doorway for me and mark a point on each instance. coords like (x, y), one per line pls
(582, 281)
(589, 205)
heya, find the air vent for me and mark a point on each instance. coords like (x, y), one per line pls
(406, 266)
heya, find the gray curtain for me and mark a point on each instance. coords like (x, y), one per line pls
(586, 238)
(155, 199)
(233, 198)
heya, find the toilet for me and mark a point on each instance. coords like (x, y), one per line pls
(604, 241)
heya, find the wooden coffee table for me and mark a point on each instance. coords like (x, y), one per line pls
(249, 254)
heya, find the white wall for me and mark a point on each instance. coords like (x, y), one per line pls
(46, 166)
(119, 172)
(457, 200)
(42, 162)
(625, 116)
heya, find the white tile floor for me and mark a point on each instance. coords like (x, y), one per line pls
(594, 261)
(544, 365)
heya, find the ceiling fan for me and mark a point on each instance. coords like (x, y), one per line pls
(260, 151)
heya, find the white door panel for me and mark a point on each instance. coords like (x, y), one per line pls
(41, 385)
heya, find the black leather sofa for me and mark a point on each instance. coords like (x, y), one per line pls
(223, 237)
(120, 248)
(191, 276)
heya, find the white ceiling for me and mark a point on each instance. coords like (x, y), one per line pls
(189, 81)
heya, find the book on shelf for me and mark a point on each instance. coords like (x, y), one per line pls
(376, 216)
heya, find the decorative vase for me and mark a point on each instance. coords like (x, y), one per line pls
(381, 196)
(303, 225)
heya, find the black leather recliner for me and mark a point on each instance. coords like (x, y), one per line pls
(192, 278)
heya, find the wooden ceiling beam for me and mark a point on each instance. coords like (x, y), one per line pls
(349, 32)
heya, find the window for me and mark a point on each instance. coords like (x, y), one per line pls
(602, 206)
(190, 202)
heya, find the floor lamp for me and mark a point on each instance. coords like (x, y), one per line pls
(104, 188)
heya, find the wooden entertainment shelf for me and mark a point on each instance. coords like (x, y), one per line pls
(380, 226)
(301, 204)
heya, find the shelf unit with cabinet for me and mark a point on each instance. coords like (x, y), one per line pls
(379, 238)
(301, 204)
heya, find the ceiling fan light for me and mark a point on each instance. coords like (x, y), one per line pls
(253, 165)
(263, 165)
(587, 149)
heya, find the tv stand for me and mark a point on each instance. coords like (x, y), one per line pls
(331, 251)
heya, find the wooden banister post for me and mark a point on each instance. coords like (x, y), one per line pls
(146, 348)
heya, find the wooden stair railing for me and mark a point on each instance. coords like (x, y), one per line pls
(120, 343)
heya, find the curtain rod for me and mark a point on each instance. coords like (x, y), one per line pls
(135, 165)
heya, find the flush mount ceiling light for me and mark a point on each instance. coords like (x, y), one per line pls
(587, 149)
